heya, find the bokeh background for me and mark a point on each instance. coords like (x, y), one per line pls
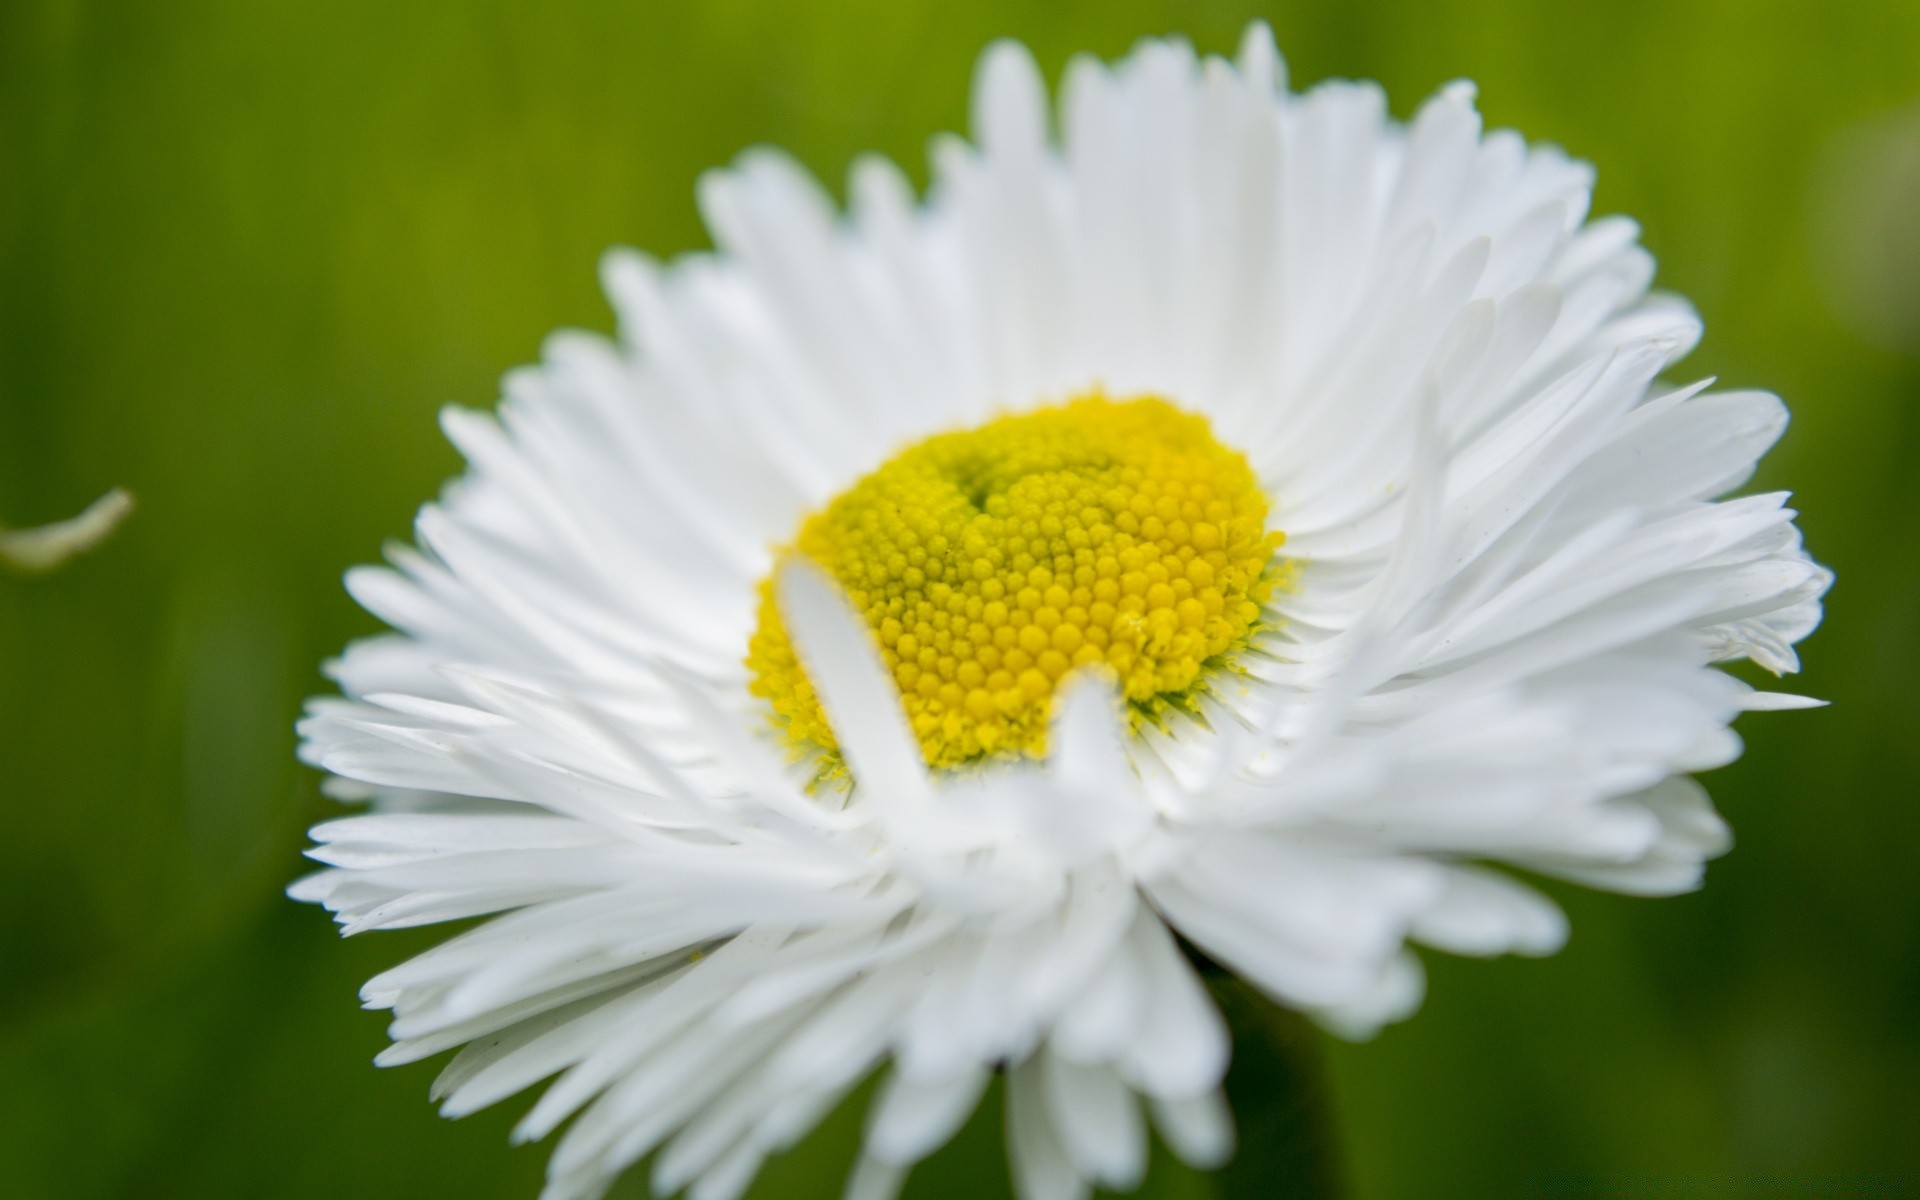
(247, 250)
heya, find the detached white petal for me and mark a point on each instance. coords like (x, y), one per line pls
(45, 547)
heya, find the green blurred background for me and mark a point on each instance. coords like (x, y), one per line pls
(247, 250)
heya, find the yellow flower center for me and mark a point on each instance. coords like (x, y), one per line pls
(991, 563)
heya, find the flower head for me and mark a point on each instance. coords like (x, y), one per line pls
(1245, 521)
(994, 562)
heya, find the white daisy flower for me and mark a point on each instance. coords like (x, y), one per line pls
(1239, 522)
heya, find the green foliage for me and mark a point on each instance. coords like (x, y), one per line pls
(247, 249)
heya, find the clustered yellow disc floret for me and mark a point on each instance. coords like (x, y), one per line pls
(991, 563)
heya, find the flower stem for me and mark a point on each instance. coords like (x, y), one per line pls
(1282, 1104)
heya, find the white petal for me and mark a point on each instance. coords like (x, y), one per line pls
(854, 688)
(1199, 1128)
(913, 1118)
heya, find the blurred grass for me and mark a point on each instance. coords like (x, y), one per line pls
(247, 250)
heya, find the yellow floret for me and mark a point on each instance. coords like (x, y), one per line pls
(992, 563)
